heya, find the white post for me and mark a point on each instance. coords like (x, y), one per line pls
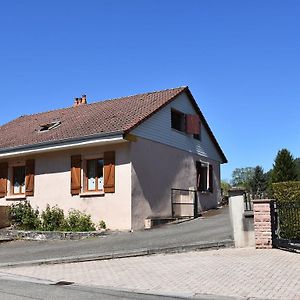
(243, 237)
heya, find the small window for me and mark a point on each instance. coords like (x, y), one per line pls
(18, 180)
(177, 120)
(94, 174)
(49, 126)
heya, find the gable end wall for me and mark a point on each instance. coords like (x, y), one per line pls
(158, 128)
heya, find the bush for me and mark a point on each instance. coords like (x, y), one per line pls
(78, 221)
(287, 191)
(102, 224)
(52, 219)
(24, 216)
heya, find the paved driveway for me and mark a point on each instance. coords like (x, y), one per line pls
(215, 226)
(245, 273)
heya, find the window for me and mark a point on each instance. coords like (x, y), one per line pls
(94, 174)
(204, 177)
(177, 120)
(49, 126)
(18, 180)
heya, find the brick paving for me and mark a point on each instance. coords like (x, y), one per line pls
(249, 273)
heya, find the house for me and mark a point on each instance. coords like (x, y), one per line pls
(116, 160)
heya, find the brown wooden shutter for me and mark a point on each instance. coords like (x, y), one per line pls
(3, 179)
(29, 179)
(211, 179)
(109, 172)
(192, 124)
(75, 174)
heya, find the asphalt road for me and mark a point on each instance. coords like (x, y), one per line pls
(16, 290)
(215, 226)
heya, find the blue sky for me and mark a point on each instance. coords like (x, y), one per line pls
(239, 58)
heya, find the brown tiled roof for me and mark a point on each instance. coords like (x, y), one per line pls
(105, 117)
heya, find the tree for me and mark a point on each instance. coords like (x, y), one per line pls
(258, 183)
(242, 177)
(225, 187)
(297, 161)
(284, 167)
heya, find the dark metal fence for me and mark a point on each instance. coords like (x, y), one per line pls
(286, 225)
(184, 203)
(248, 202)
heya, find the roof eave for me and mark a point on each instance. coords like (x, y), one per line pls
(50, 146)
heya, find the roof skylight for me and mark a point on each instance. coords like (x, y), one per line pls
(49, 126)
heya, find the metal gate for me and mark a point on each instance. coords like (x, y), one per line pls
(184, 203)
(286, 225)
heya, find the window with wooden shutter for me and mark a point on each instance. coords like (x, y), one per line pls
(109, 172)
(3, 179)
(29, 179)
(75, 174)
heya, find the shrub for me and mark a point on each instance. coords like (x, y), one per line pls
(52, 219)
(24, 216)
(78, 221)
(287, 191)
(102, 225)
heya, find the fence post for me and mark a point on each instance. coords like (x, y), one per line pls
(263, 223)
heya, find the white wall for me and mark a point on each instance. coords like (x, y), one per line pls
(156, 168)
(53, 181)
(158, 128)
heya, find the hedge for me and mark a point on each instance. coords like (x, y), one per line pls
(286, 191)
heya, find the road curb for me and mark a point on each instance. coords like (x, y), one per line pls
(117, 255)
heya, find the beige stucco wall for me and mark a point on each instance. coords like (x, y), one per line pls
(52, 185)
(156, 168)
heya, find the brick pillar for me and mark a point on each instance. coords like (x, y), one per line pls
(262, 223)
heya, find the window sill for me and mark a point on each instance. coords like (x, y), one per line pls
(205, 192)
(91, 194)
(179, 131)
(15, 197)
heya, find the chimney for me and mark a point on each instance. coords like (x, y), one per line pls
(76, 102)
(80, 101)
(83, 99)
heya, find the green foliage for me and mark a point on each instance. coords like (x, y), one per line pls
(225, 187)
(241, 177)
(284, 167)
(78, 221)
(287, 191)
(289, 216)
(52, 219)
(258, 183)
(297, 162)
(24, 216)
(102, 224)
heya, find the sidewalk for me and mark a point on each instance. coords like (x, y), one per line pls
(241, 273)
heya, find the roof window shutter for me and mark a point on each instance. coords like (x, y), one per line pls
(75, 174)
(109, 172)
(211, 179)
(3, 179)
(192, 124)
(29, 180)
